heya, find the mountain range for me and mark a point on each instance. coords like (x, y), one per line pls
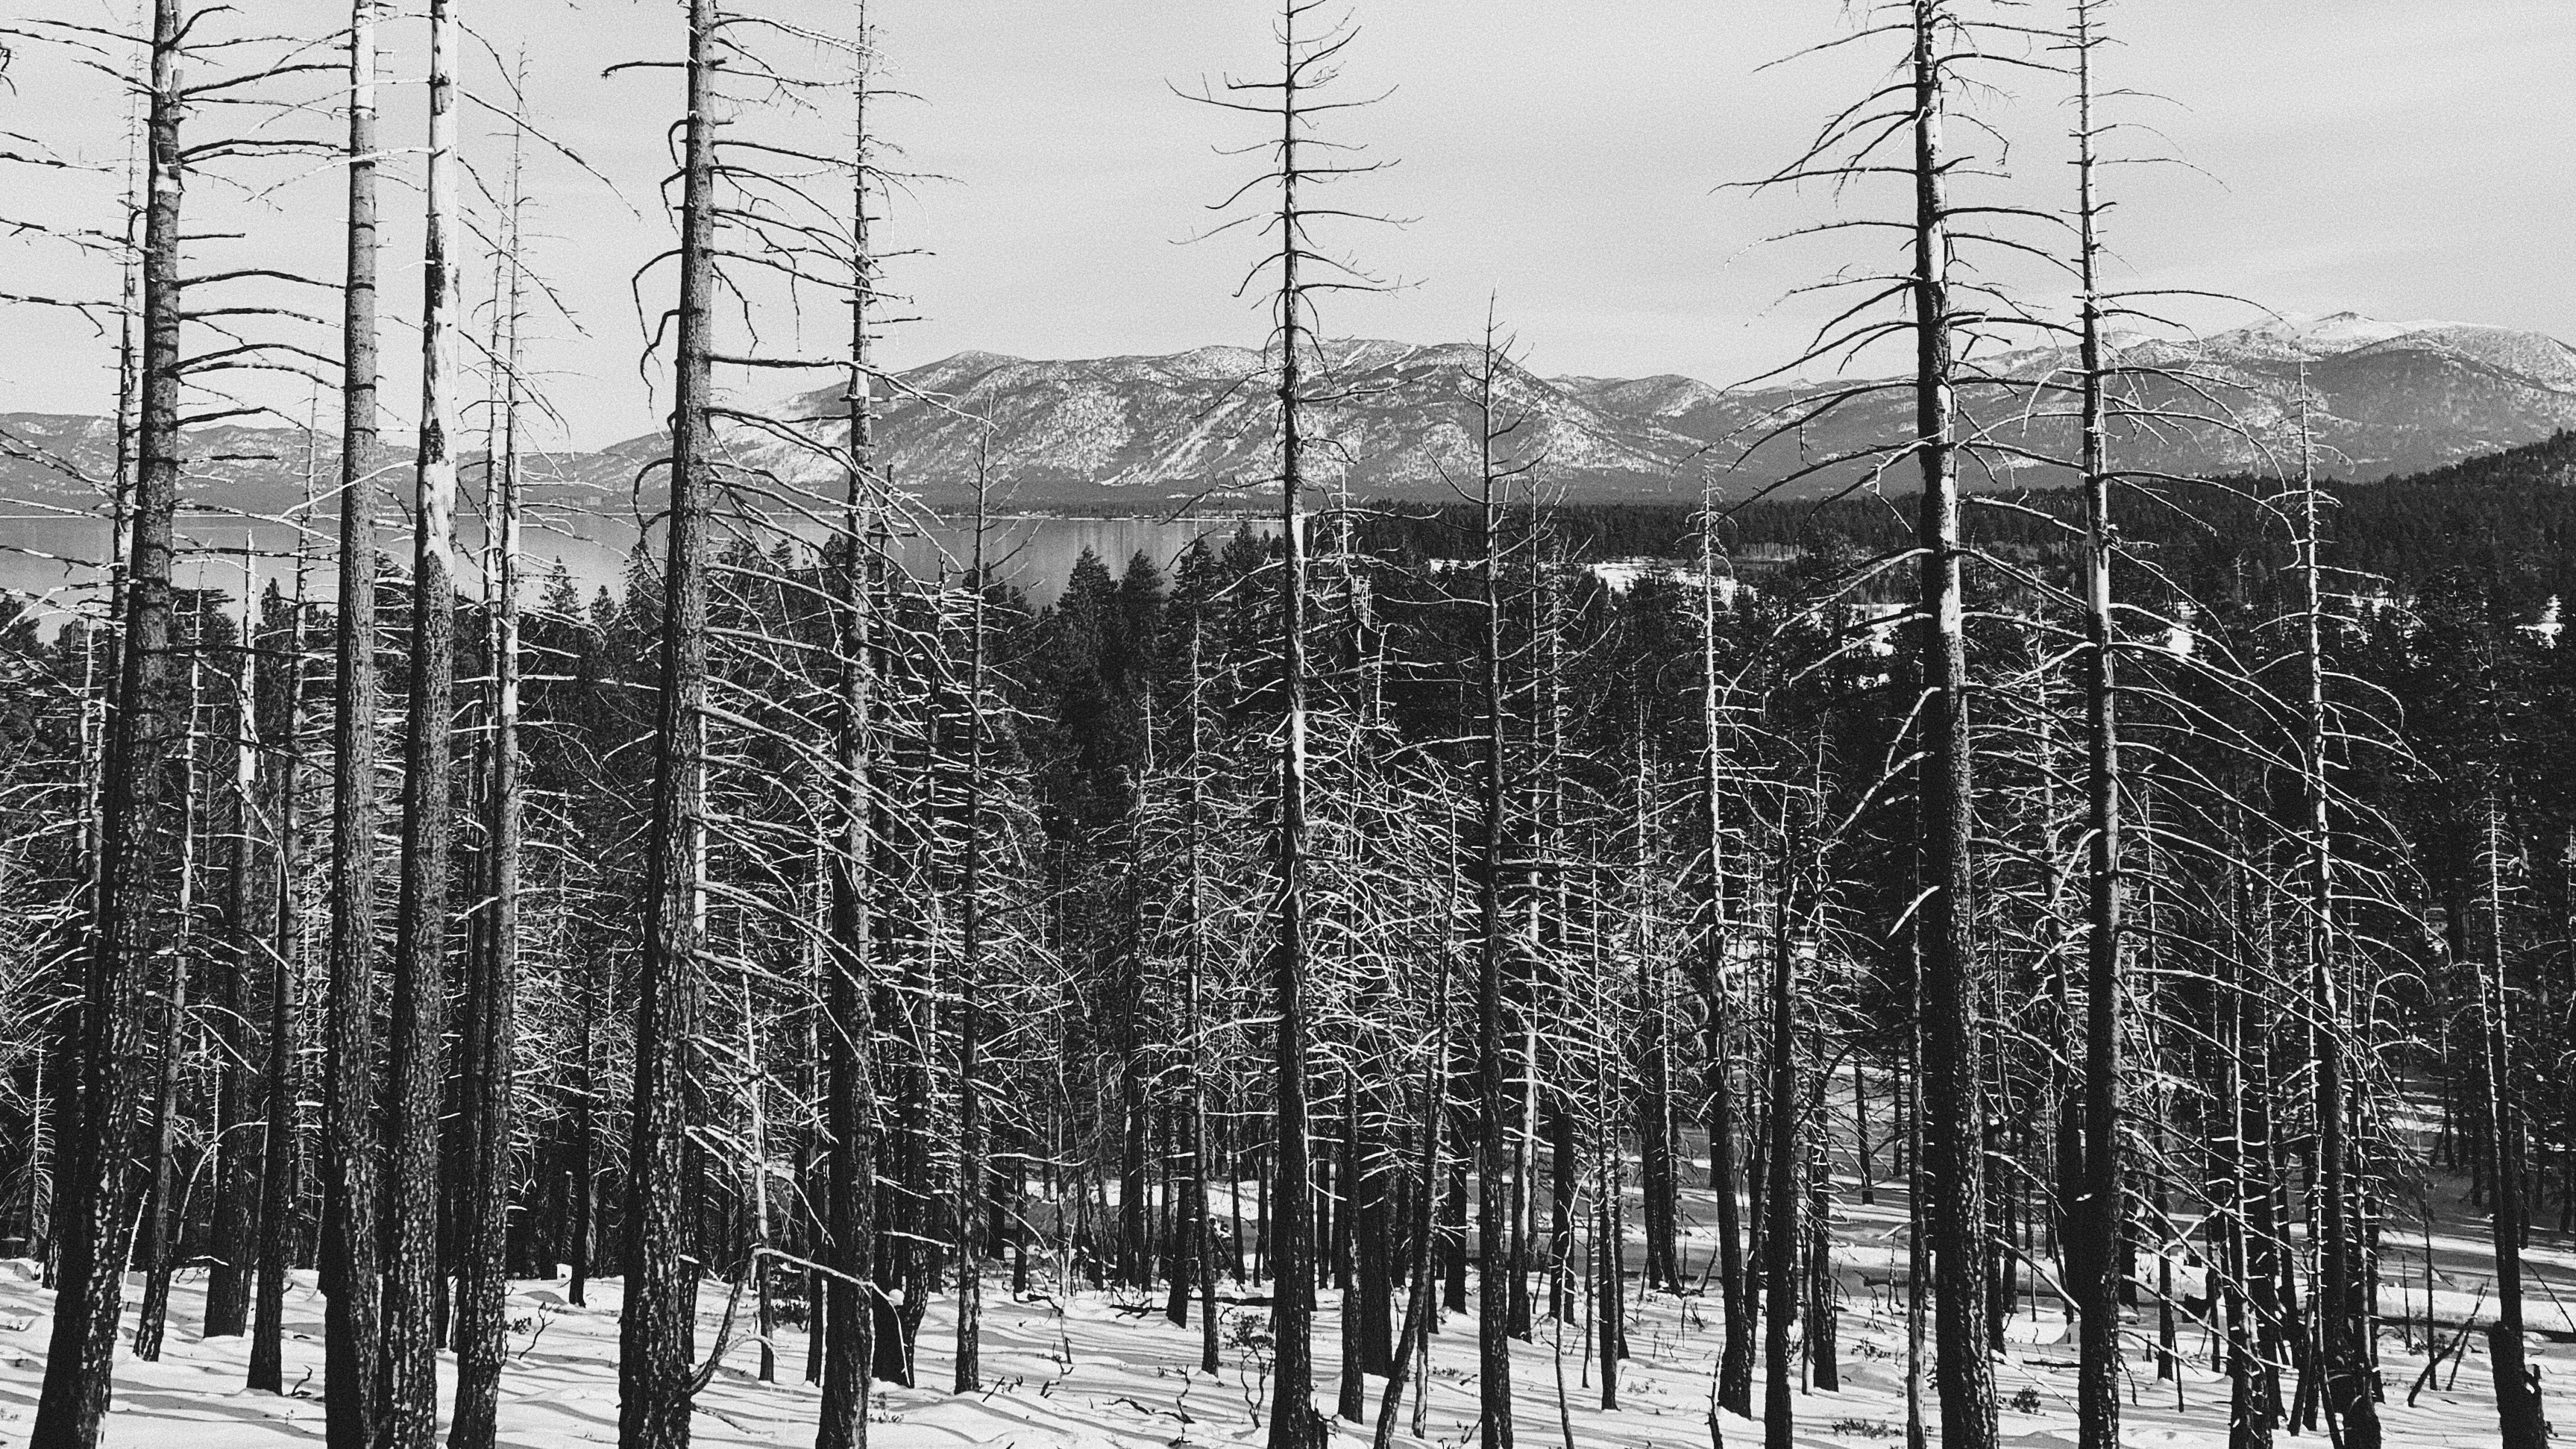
(1398, 421)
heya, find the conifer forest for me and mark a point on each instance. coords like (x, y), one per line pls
(1936, 924)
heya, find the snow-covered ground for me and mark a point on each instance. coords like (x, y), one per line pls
(1089, 1369)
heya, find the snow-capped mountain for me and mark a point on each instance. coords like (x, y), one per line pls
(1394, 420)
(1400, 420)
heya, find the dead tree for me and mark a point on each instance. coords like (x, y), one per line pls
(2517, 1385)
(141, 826)
(482, 1323)
(153, 1247)
(232, 1219)
(2349, 1398)
(1194, 963)
(654, 1370)
(1307, 63)
(1900, 132)
(1781, 1155)
(2094, 1259)
(282, 1158)
(414, 1283)
(851, 1130)
(1953, 1064)
(1735, 1353)
(352, 1274)
(1493, 1286)
(971, 1167)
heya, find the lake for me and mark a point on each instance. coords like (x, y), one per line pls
(57, 559)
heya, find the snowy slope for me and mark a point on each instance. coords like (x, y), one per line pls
(1087, 1370)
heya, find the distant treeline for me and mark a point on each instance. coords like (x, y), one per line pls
(2508, 517)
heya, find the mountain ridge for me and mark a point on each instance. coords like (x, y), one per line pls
(1396, 420)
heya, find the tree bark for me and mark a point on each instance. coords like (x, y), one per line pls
(2517, 1390)
(1294, 1424)
(1780, 1195)
(1493, 1286)
(351, 1271)
(972, 1169)
(414, 1284)
(139, 830)
(282, 1160)
(482, 1322)
(2093, 1259)
(1735, 1352)
(1421, 1300)
(2345, 1371)
(162, 1219)
(654, 1369)
(849, 1217)
(1953, 1052)
(232, 1226)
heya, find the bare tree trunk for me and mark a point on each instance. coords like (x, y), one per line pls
(1657, 1179)
(414, 1285)
(482, 1323)
(161, 1218)
(1294, 1423)
(1351, 1402)
(1421, 1307)
(140, 831)
(2517, 1389)
(1823, 1308)
(850, 1111)
(281, 1171)
(1780, 1195)
(1918, 1243)
(654, 1370)
(1493, 1286)
(1953, 1053)
(971, 1167)
(102, 679)
(351, 1265)
(756, 1089)
(232, 1228)
(1735, 1353)
(1609, 1251)
(2093, 1259)
(2348, 1398)
(2264, 1251)
(1203, 1151)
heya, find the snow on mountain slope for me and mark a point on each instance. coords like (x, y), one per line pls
(1397, 419)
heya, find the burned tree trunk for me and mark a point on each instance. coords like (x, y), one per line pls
(2517, 1386)
(1780, 1195)
(971, 1167)
(1735, 1353)
(654, 1371)
(2093, 1257)
(351, 1267)
(140, 830)
(282, 1160)
(1953, 1055)
(1294, 1423)
(1493, 1285)
(481, 1322)
(849, 1225)
(154, 1246)
(232, 1224)
(2348, 1397)
(414, 1284)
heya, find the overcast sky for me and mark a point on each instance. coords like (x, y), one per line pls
(2402, 159)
